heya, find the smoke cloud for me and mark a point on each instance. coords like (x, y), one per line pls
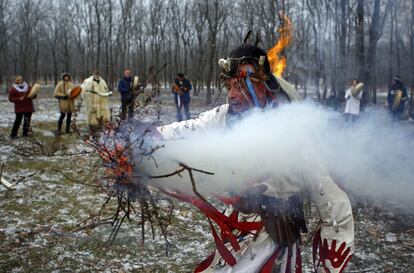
(299, 143)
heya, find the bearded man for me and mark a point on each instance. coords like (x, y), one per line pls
(95, 93)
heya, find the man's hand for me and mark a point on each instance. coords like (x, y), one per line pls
(251, 200)
(176, 89)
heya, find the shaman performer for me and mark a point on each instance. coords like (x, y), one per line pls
(23, 106)
(261, 229)
(66, 104)
(95, 94)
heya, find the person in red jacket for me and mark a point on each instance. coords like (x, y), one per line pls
(23, 106)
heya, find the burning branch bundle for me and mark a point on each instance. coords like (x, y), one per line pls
(118, 173)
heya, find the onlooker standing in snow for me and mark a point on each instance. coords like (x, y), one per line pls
(353, 100)
(95, 93)
(397, 95)
(66, 104)
(125, 87)
(181, 89)
(23, 106)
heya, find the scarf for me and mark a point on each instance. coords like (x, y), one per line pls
(21, 87)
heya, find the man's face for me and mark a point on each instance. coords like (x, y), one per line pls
(96, 77)
(127, 73)
(19, 81)
(239, 97)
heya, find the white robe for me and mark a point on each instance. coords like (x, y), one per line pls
(332, 204)
(96, 100)
(352, 103)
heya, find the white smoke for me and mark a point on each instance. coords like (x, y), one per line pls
(299, 143)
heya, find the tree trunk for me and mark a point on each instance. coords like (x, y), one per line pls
(375, 32)
(360, 45)
(342, 52)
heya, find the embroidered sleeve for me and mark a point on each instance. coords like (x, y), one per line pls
(209, 119)
(333, 244)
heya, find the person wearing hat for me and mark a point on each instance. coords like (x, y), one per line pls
(125, 87)
(23, 106)
(95, 93)
(181, 89)
(396, 98)
(66, 104)
(258, 232)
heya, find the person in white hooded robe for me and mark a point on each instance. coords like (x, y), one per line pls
(95, 95)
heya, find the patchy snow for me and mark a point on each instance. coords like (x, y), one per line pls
(391, 237)
(40, 217)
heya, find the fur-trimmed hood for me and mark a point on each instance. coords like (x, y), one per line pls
(65, 74)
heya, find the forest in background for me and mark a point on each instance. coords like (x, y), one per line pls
(333, 40)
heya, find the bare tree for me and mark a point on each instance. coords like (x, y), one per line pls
(359, 42)
(4, 37)
(332, 37)
(215, 13)
(375, 32)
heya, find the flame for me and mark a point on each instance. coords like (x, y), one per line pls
(278, 61)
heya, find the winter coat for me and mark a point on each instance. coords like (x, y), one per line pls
(124, 87)
(185, 87)
(352, 103)
(332, 204)
(66, 105)
(21, 106)
(95, 96)
(391, 97)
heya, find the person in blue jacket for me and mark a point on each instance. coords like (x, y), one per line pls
(127, 97)
(181, 89)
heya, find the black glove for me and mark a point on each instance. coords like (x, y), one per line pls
(62, 97)
(283, 219)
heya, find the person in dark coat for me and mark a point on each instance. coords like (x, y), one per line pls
(397, 96)
(181, 89)
(23, 106)
(125, 87)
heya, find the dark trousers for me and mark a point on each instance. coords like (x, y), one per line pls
(127, 106)
(186, 111)
(18, 121)
(68, 120)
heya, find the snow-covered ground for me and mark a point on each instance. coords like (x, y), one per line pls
(55, 193)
